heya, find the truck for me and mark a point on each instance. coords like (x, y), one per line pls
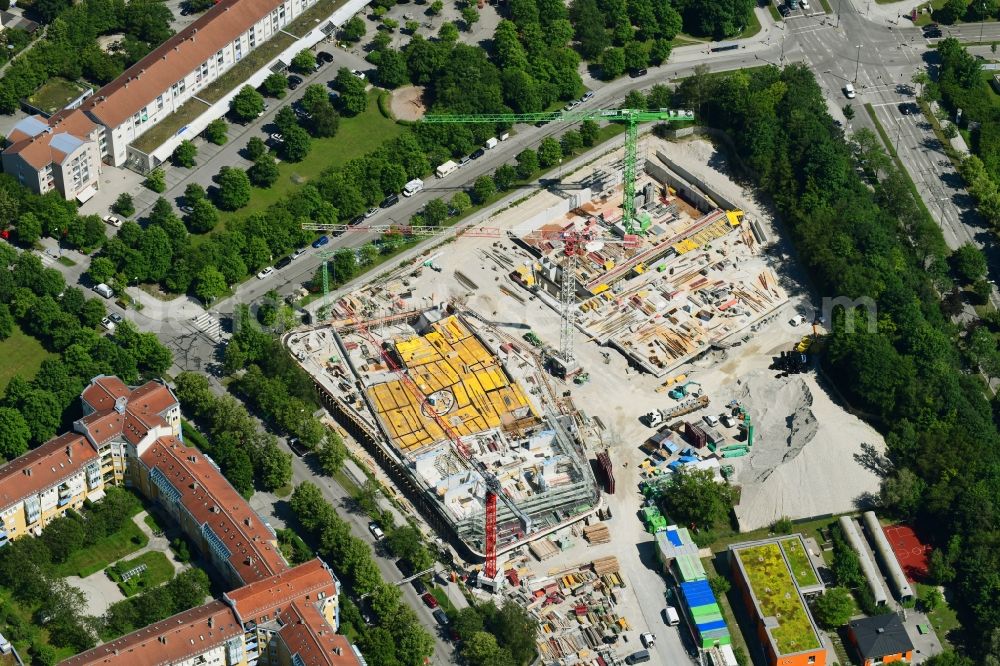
(491, 143)
(657, 417)
(413, 187)
(445, 169)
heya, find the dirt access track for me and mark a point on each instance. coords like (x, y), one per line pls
(408, 103)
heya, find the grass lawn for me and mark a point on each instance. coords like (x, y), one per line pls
(443, 600)
(158, 571)
(775, 14)
(943, 618)
(799, 561)
(20, 354)
(772, 585)
(32, 631)
(810, 528)
(150, 520)
(55, 94)
(717, 564)
(241, 71)
(357, 136)
(192, 437)
(66, 261)
(754, 26)
(826, 6)
(112, 547)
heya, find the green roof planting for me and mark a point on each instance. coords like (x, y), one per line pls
(798, 560)
(773, 588)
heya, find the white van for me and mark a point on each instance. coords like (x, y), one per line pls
(104, 290)
(413, 187)
(491, 143)
(673, 619)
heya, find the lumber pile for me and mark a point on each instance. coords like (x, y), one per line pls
(606, 565)
(543, 549)
(595, 534)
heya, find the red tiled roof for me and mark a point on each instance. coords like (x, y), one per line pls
(44, 467)
(177, 57)
(103, 391)
(142, 409)
(306, 633)
(303, 583)
(37, 150)
(169, 641)
(210, 499)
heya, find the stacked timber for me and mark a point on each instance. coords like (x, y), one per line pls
(597, 533)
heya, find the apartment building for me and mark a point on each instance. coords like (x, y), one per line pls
(60, 474)
(65, 151)
(277, 615)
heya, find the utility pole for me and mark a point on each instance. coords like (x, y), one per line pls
(857, 66)
(982, 23)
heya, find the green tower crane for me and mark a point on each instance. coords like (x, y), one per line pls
(631, 118)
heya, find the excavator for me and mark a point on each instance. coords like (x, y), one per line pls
(680, 392)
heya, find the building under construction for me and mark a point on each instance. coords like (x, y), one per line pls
(420, 379)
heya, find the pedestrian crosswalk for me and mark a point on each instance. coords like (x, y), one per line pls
(47, 259)
(209, 326)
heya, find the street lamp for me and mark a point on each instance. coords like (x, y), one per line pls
(857, 66)
(982, 23)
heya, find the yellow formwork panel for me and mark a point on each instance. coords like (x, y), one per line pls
(485, 379)
(461, 397)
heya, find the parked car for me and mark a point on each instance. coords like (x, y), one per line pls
(636, 73)
(462, 162)
(282, 263)
(298, 253)
(277, 137)
(108, 324)
(116, 318)
(784, 11)
(429, 599)
(389, 201)
(804, 4)
(294, 81)
(419, 587)
(587, 95)
(441, 618)
(376, 531)
(113, 220)
(321, 241)
(356, 221)
(358, 73)
(296, 446)
(324, 56)
(849, 91)
(371, 212)
(571, 105)
(479, 152)
(648, 640)
(264, 273)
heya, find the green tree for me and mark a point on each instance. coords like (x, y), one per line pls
(469, 16)
(255, 148)
(275, 467)
(549, 152)
(392, 70)
(210, 284)
(570, 142)
(435, 212)
(590, 28)
(460, 202)
(589, 132)
(848, 112)
(184, 154)
(14, 433)
(43, 414)
(482, 650)
(435, 7)
(483, 189)
(234, 188)
(332, 453)
(202, 218)
(296, 144)
(101, 270)
(636, 55)
(952, 11)
(635, 100)
(216, 132)
(264, 172)
(969, 263)
(304, 62)
(720, 585)
(6, 322)
(275, 85)
(504, 177)
(85, 233)
(613, 63)
(247, 104)
(834, 607)
(124, 205)
(693, 497)
(156, 180)
(325, 122)
(353, 30)
(527, 164)
(353, 98)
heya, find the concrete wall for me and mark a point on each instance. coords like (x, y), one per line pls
(720, 199)
(687, 189)
(220, 108)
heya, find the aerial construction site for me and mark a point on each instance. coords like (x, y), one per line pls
(505, 380)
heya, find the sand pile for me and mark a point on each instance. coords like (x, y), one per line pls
(803, 460)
